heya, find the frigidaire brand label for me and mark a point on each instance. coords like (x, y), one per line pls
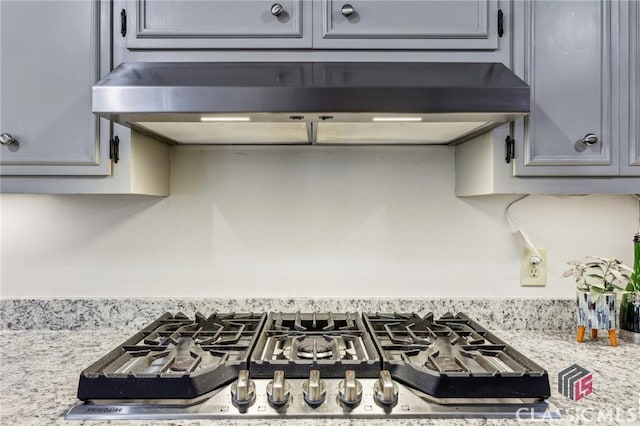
(104, 409)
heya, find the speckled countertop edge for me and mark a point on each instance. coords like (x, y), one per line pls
(121, 313)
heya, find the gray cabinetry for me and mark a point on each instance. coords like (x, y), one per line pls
(631, 149)
(318, 24)
(571, 60)
(45, 83)
(405, 24)
(51, 53)
(162, 24)
(581, 60)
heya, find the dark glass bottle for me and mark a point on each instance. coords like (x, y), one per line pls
(630, 306)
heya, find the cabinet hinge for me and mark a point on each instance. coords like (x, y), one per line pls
(510, 153)
(500, 23)
(123, 22)
(114, 149)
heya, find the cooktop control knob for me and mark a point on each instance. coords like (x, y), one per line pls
(278, 389)
(314, 389)
(243, 390)
(350, 389)
(385, 390)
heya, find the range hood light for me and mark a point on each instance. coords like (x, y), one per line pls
(225, 119)
(396, 119)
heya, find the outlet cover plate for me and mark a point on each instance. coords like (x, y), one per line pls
(533, 275)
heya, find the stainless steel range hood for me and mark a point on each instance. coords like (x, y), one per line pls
(304, 103)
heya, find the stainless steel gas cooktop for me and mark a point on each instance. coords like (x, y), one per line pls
(313, 365)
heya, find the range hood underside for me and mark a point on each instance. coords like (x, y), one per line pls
(318, 128)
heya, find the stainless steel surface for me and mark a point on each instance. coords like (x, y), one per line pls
(138, 90)
(347, 10)
(590, 139)
(350, 389)
(278, 390)
(277, 9)
(410, 404)
(243, 390)
(385, 389)
(7, 139)
(484, 94)
(314, 389)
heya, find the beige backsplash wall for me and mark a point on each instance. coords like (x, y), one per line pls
(301, 221)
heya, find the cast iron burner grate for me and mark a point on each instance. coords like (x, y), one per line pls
(299, 342)
(174, 357)
(447, 359)
(453, 357)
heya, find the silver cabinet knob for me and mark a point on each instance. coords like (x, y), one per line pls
(314, 389)
(590, 139)
(385, 390)
(243, 390)
(277, 9)
(347, 10)
(350, 389)
(7, 139)
(278, 389)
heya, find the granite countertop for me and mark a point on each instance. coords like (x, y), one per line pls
(39, 372)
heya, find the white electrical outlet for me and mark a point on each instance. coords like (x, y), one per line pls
(534, 268)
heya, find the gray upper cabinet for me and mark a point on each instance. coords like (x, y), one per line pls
(162, 24)
(571, 60)
(631, 164)
(581, 59)
(318, 24)
(405, 24)
(45, 81)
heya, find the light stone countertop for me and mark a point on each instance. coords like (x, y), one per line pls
(135, 313)
(39, 373)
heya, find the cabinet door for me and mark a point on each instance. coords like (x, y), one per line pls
(406, 24)
(49, 59)
(571, 61)
(630, 155)
(202, 24)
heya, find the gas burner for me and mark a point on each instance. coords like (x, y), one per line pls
(317, 347)
(297, 342)
(185, 357)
